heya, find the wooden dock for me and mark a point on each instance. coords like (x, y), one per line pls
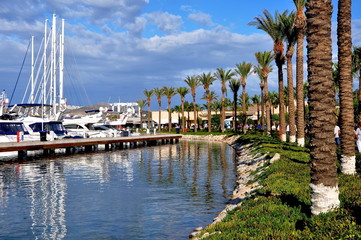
(89, 144)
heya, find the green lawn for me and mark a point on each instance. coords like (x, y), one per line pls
(281, 208)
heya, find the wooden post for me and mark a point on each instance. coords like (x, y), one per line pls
(22, 154)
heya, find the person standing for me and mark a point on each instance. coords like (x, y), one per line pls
(337, 132)
(358, 137)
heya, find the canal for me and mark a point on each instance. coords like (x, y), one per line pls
(159, 192)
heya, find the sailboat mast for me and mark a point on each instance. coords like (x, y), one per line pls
(45, 60)
(53, 48)
(32, 70)
(61, 63)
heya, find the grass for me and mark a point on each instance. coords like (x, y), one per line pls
(281, 208)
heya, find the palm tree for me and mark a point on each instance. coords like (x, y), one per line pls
(258, 71)
(210, 96)
(216, 106)
(223, 76)
(348, 158)
(169, 92)
(300, 27)
(183, 91)
(321, 98)
(356, 65)
(193, 82)
(272, 26)
(287, 23)
(264, 67)
(207, 80)
(274, 101)
(256, 100)
(247, 101)
(244, 70)
(234, 85)
(158, 92)
(188, 107)
(148, 95)
(141, 104)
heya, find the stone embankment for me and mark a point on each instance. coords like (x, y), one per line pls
(247, 161)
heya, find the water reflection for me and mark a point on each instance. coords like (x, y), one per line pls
(159, 192)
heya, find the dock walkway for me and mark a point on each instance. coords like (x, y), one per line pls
(89, 144)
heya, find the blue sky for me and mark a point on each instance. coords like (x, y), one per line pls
(117, 48)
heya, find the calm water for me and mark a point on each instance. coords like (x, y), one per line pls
(160, 192)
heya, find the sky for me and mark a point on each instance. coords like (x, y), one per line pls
(114, 49)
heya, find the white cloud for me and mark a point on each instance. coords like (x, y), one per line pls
(201, 18)
(165, 22)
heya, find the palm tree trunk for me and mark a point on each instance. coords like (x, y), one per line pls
(195, 113)
(209, 115)
(291, 102)
(282, 102)
(299, 91)
(235, 113)
(148, 114)
(244, 107)
(262, 107)
(183, 120)
(348, 159)
(268, 115)
(324, 182)
(169, 117)
(160, 116)
(141, 118)
(223, 113)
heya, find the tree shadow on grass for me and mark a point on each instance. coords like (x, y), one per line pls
(293, 201)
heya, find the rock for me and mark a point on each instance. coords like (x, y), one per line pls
(193, 234)
(275, 158)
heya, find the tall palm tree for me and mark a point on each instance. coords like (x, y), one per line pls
(348, 158)
(256, 100)
(210, 96)
(300, 27)
(244, 70)
(169, 92)
(223, 76)
(207, 80)
(188, 107)
(193, 82)
(258, 71)
(141, 104)
(288, 30)
(356, 65)
(264, 67)
(272, 26)
(182, 91)
(234, 85)
(148, 95)
(158, 92)
(321, 98)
